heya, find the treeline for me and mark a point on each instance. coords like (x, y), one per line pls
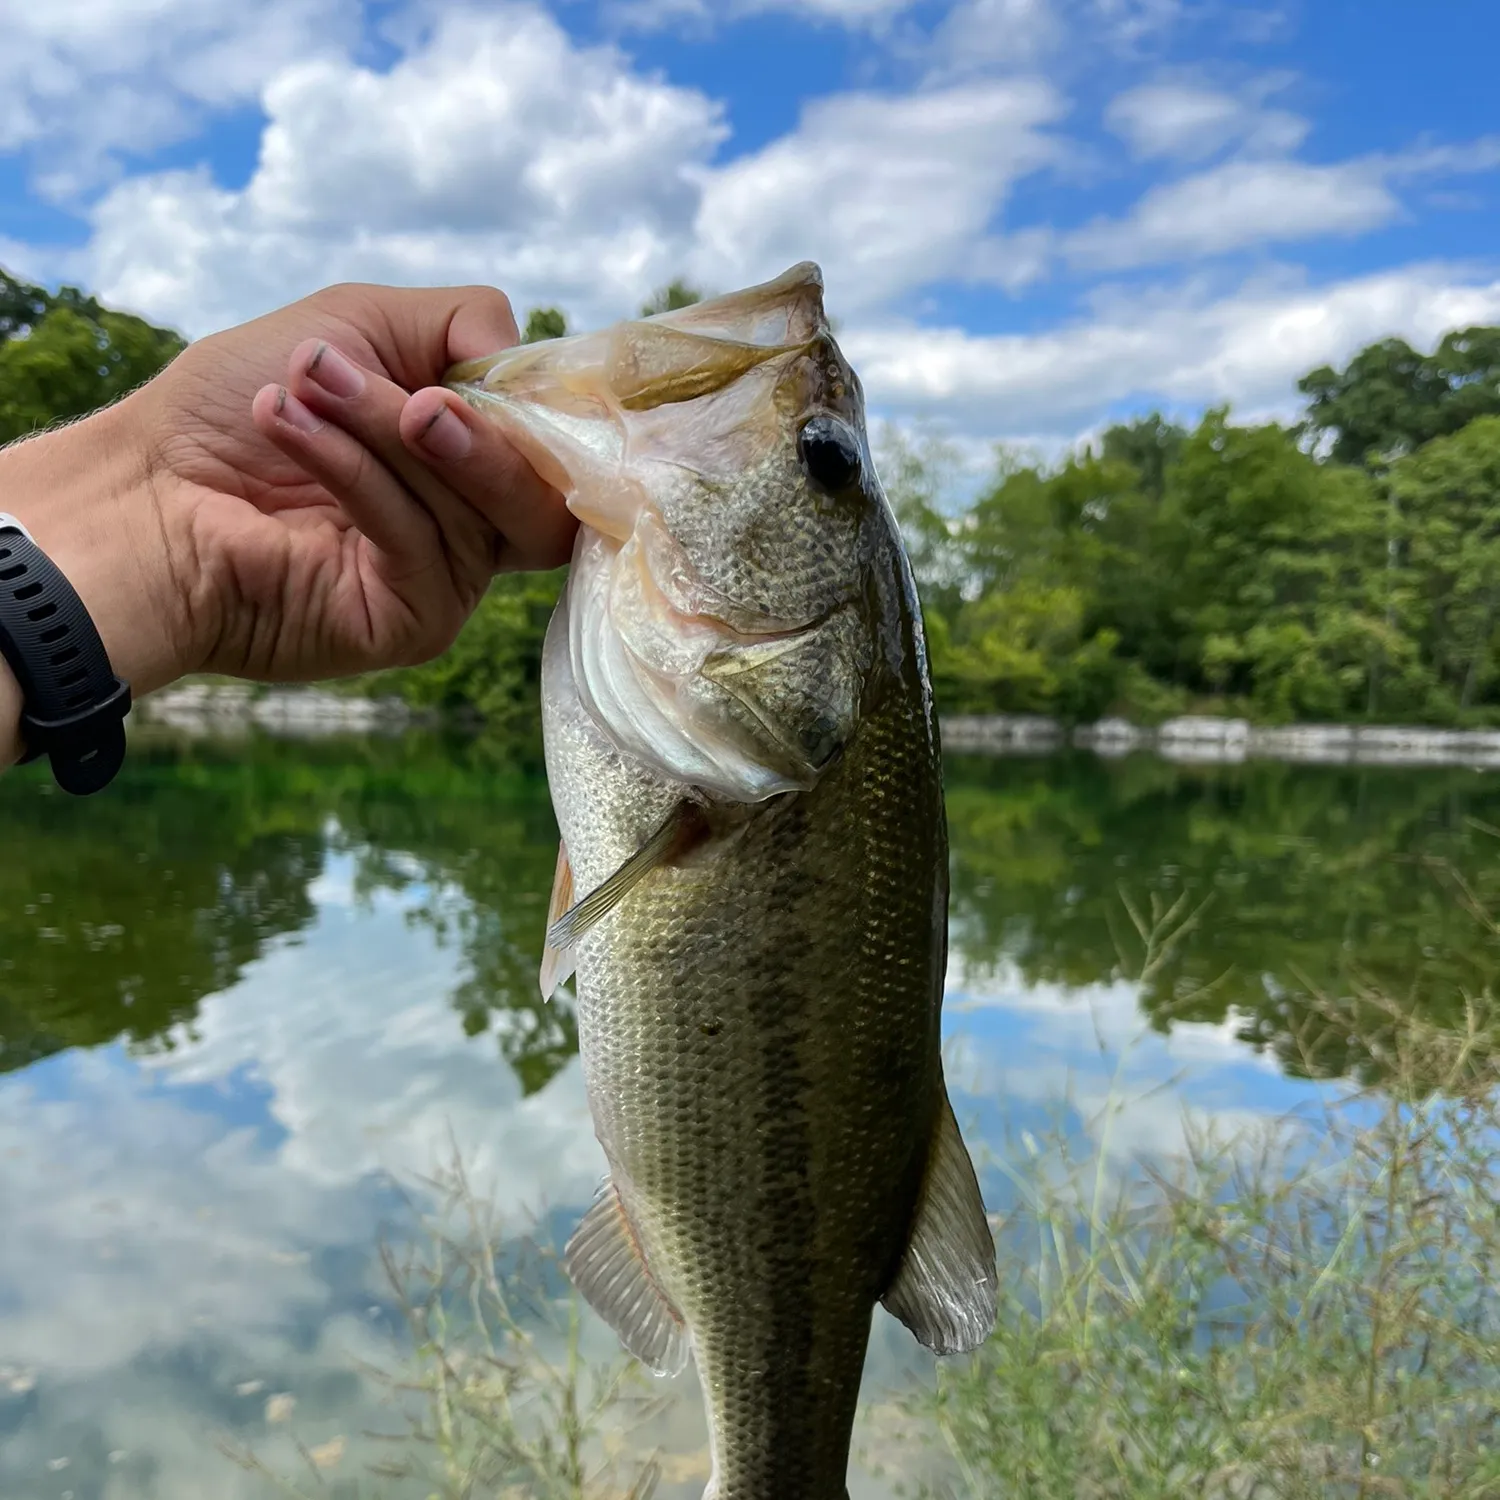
(1346, 566)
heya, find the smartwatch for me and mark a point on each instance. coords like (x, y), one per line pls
(73, 706)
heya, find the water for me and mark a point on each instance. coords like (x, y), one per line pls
(257, 992)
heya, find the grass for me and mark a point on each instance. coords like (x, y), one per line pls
(499, 1399)
(1308, 1310)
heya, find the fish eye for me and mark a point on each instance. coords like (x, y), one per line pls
(830, 453)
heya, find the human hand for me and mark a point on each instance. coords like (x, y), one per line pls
(251, 512)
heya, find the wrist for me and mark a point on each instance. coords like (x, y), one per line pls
(84, 492)
(10, 717)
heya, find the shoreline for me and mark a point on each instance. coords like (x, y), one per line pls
(1203, 740)
(226, 710)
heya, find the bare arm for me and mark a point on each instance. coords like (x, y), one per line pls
(291, 500)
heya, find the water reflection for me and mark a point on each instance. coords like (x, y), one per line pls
(1319, 893)
(1308, 885)
(253, 988)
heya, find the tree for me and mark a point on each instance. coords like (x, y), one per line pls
(1150, 445)
(543, 323)
(676, 294)
(62, 355)
(1448, 494)
(1389, 399)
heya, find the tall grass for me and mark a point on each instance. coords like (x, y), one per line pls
(1307, 1310)
(500, 1399)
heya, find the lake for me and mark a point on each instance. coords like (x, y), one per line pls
(256, 996)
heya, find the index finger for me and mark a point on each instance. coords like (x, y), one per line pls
(536, 525)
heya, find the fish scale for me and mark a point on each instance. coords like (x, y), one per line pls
(758, 964)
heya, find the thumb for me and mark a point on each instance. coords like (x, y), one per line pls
(481, 324)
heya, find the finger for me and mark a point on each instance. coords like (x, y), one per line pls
(482, 323)
(480, 465)
(368, 408)
(400, 529)
(418, 332)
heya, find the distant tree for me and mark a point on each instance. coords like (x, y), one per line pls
(1389, 400)
(1448, 498)
(21, 305)
(1150, 445)
(675, 294)
(543, 323)
(63, 355)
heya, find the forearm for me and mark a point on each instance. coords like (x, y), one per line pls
(83, 492)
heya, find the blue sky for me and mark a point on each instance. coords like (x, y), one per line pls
(1033, 215)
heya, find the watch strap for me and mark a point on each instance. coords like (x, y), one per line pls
(73, 705)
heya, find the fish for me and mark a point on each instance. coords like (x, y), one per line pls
(752, 884)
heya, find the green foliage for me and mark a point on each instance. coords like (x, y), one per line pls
(1389, 400)
(543, 323)
(493, 669)
(677, 293)
(1306, 1312)
(1222, 567)
(62, 355)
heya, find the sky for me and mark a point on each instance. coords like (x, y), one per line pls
(1033, 216)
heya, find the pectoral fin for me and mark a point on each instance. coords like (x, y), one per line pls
(606, 1264)
(676, 835)
(945, 1290)
(557, 963)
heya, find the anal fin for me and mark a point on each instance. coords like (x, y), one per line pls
(557, 963)
(946, 1289)
(605, 1262)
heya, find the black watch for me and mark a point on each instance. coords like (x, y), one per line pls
(73, 706)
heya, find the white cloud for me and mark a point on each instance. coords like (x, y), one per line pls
(494, 150)
(982, 34)
(80, 79)
(887, 192)
(1189, 122)
(651, 15)
(1235, 205)
(497, 151)
(1178, 346)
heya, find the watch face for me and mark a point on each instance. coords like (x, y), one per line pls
(9, 522)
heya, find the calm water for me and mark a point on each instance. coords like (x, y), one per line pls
(255, 993)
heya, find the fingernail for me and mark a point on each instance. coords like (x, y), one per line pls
(294, 413)
(334, 373)
(446, 437)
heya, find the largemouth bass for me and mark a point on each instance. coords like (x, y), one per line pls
(753, 883)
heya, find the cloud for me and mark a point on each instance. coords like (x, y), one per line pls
(1179, 345)
(1236, 205)
(1189, 122)
(886, 191)
(83, 80)
(494, 150)
(982, 34)
(652, 15)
